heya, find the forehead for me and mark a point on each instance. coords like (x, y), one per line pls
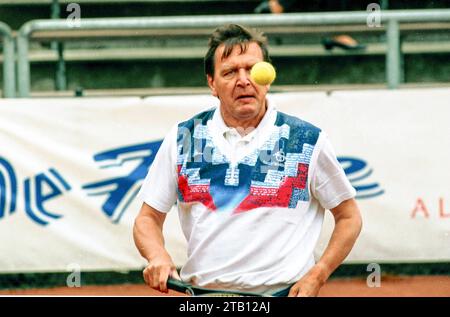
(252, 54)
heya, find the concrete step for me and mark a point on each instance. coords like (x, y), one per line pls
(142, 92)
(126, 54)
(201, 32)
(308, 70)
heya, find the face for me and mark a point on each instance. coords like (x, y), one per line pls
(242, 101)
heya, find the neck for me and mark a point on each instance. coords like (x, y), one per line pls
(243, 126)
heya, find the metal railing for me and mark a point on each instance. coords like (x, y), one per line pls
(390, 19)
(9, 81)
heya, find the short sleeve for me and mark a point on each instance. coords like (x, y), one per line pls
(159, 188)
(330, 186)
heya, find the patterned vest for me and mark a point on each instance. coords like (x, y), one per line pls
(273, 175)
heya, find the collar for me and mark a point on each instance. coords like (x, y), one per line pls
(268, 119)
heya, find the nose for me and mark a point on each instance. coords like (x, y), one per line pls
(243, 77)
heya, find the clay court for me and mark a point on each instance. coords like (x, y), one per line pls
(391, 286)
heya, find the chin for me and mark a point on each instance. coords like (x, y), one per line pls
(248, 111)
(247, 107)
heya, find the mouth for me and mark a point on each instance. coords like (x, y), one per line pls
(245, 97)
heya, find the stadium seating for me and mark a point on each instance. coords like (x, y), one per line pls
(156, 57)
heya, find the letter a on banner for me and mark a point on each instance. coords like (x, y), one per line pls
(420, 207)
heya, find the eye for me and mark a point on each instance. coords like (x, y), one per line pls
(229, 73)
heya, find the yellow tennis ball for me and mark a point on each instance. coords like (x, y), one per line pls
(263, 73)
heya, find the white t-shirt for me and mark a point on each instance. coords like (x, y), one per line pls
(252, 207)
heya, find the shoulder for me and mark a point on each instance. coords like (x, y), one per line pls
(199, 118)
(299, 128)
(295, 122)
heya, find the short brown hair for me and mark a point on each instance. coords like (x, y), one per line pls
(231, 35)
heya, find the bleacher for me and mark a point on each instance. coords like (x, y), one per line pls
(102, 62)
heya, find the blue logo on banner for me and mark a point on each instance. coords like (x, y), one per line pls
(8, 188)
(120, 191)
(358, 172)
(38, 190)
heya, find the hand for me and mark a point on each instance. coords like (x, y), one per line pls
(158, 271)
(275, 7)
(309, 285)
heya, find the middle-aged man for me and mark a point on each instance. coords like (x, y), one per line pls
(251, 184)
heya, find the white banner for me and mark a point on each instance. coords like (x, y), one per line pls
(70, 170)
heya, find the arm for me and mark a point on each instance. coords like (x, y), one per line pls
(149, 240)
(348, 225)
(275, 7)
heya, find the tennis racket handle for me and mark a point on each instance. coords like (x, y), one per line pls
(179, 286)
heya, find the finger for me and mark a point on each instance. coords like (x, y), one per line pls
(155, 279)
(174, 274)
(148, 276)
(163, 281)
(293, 292)
(301, 294)
(163, 285)
(145, 276)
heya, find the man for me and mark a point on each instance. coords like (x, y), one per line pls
(277, 6)
(343, 41)
(251, 184)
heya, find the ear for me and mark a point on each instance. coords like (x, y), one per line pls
(211, 85)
